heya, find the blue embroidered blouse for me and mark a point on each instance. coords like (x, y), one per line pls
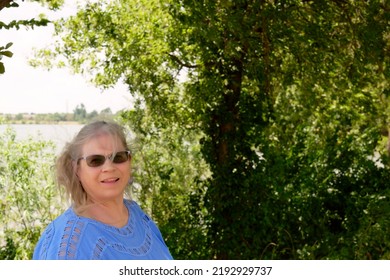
(72, 237)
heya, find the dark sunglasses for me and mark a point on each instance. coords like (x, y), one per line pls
(99, 160)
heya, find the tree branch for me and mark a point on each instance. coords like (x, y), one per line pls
(181, 63)
(4, 3)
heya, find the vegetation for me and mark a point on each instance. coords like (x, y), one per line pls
(28, 198)
(261, 126)
(79, 115)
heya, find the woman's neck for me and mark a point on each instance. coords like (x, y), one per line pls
(110, 213)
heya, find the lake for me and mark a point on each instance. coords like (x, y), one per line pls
(58, 133)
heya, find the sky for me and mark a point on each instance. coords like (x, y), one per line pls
(25, 89)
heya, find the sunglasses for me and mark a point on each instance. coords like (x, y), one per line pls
(99, 160)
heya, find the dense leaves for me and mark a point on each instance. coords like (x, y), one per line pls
(294, 112)
(168, 170)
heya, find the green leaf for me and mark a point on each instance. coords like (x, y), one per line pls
(2, 69)
(6, 53)
(13, 5)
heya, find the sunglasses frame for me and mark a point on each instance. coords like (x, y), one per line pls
(110, 157)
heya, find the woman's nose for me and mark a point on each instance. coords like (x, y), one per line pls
(108, 165)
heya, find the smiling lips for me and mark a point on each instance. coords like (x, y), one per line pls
(110, 180)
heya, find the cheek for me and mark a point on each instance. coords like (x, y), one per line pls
(85, 175)
(129, 168)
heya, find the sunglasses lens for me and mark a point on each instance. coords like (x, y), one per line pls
(95, 160)
(121, 157)
(99, 160)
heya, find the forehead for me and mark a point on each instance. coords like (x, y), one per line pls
(102, 143)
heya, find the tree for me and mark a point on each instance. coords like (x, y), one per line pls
(92, 115)
(80, 113)
(265, 68)
(106, 111)
(290, 98)
(168, 172)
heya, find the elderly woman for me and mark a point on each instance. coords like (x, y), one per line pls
(95, 168)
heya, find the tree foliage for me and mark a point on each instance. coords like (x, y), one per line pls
(168, 175)
(287, 100)
(28, 197)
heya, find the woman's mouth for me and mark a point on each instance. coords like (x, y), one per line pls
(110, 180)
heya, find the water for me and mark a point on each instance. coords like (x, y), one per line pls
(59, 134)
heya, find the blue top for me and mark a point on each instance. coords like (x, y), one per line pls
(72, 237)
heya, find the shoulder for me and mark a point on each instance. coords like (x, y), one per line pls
(136, 210)
(132, 205)
(43, 249)
(61, 237)
(143, 217)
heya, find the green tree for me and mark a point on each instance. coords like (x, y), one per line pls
(105, 113)
(168, 172)
(289, 97)
(92, 115)
(308, 152)
(80, 113)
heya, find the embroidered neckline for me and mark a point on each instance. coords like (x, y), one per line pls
(127, 229)
(140, 250)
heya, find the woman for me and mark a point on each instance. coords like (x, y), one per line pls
(95, 168)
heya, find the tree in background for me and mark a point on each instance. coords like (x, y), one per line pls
(80, 113)
(288, 99)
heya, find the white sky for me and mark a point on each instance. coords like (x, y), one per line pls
(24, 89)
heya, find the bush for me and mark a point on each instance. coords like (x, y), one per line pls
(28, 197)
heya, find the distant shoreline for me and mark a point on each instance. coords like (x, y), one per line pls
(32, 122)
(78, 117)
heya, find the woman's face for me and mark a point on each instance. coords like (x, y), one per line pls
(107, 182)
